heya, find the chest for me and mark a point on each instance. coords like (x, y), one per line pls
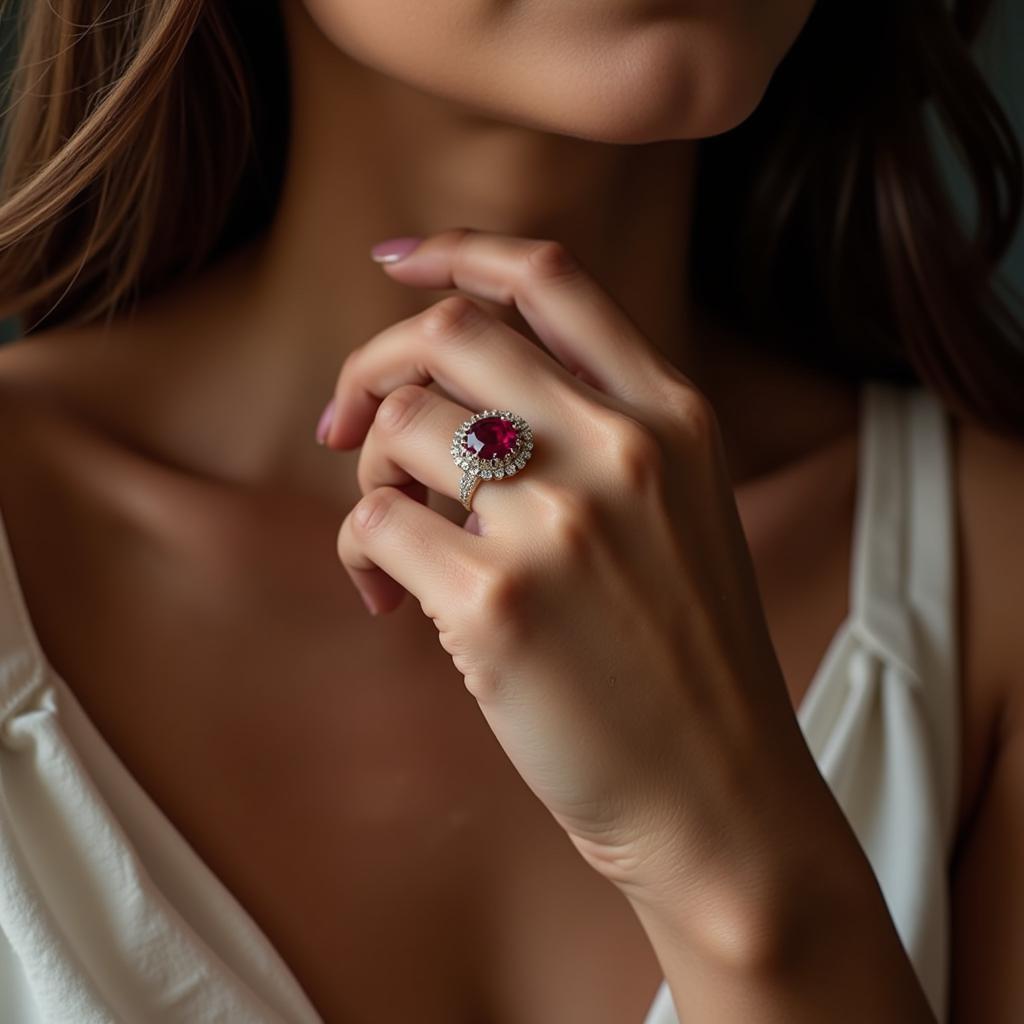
(334, 772)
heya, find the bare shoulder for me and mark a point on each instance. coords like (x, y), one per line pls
(74, 487)
(987, 894)
(991, 505)
(43, 410)
(42, 375)
(90, 516)
(88, 419)
(54, 454)
(31, 405)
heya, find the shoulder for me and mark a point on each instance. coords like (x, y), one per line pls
(87, 510)
(987, 895)
(990, 496)
(52, 460)
(990, 571)
(85, 468)
(71, 483)
(37, 378)
(43, 418)
(65, 395)
(30, 406)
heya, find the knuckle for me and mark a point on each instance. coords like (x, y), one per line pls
(634, 454)
(351, 365)
(482, 681)
(548, 259)
(451, 317)
(572, 529)
(671, 385)
(460, 236)
(572, 516)
(500, 600)
(695, 417)
(398, 410)
(372, 510)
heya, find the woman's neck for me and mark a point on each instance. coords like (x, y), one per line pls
(252, 348)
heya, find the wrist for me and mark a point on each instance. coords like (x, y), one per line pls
(764, 912)
(814, 945)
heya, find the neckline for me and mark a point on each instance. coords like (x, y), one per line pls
(866, 487)
(18, 688)
(869, 454)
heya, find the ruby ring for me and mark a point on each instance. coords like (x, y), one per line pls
(491, 445)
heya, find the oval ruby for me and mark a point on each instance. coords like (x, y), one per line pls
(492, 437)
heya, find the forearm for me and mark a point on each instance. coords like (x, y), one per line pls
(823, 947)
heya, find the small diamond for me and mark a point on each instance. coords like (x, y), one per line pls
(498, 474)
(485, 474)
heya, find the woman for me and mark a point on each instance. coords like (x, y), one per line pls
(629, 752)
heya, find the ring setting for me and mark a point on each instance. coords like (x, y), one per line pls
(491, 445)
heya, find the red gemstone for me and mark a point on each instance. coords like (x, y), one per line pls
(492, 437)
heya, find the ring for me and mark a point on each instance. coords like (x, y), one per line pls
(491, 445)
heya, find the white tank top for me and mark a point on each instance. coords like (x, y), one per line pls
(107, 914)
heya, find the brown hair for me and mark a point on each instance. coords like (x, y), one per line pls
(141, 146)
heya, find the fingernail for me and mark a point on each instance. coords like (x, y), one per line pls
(391, 250)
(325, 421)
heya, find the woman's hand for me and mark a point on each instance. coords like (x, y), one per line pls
(602, 604)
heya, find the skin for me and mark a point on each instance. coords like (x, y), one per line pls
(232, 520)
(631, 531)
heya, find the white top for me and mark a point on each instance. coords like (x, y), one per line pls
(107, 914)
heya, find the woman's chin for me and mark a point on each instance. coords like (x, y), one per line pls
(628, 119)
(658, 92)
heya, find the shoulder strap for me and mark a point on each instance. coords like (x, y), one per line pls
(932, 585)
(880, 526)
(903, 594)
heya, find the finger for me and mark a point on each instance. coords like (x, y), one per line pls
(409, 441)
(478, 360)
(574, 316)
(418, 548)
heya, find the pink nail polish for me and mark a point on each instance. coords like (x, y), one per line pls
(325, 422)
(391, 250)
